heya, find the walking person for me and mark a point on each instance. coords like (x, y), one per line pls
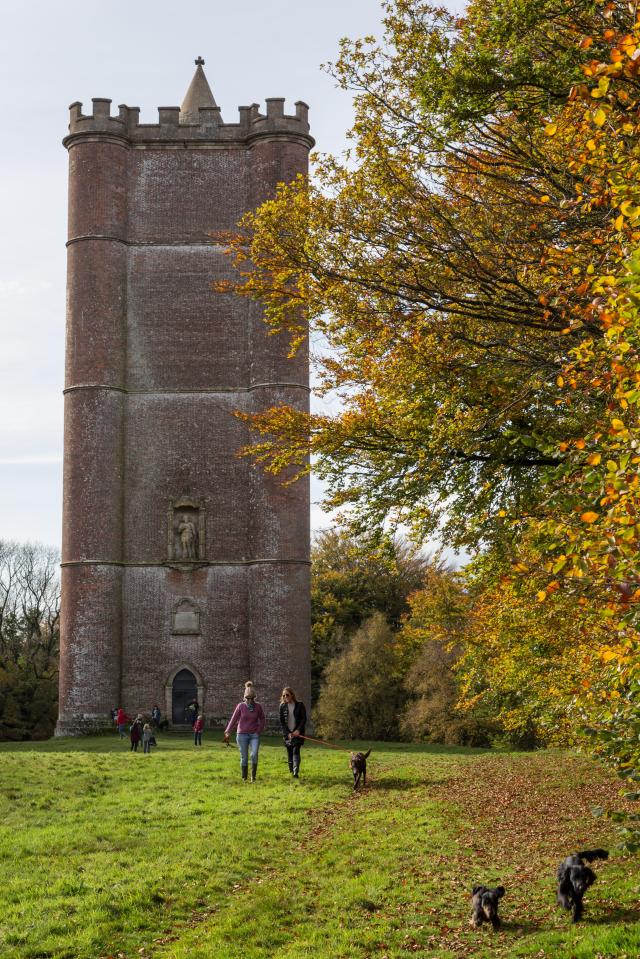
(191, 712)
(147, 736)
(249, 718)
(136, 733)
(121, 722)
(198, 726)
(293, 720)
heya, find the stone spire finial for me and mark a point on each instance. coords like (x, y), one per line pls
(198, 95)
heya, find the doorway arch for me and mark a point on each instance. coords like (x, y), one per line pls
(182, 687)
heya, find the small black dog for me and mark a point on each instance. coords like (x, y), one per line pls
(574, 878)
(484, 902)
(358, 763)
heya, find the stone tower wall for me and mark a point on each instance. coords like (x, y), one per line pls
(157, 366)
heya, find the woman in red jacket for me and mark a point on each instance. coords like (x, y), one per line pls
(121, 722)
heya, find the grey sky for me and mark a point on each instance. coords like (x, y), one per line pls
(142, 53)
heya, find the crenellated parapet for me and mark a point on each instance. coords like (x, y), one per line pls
(171, 128)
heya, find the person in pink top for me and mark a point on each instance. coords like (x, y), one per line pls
(250, 720)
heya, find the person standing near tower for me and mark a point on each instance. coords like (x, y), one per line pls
(249, 718)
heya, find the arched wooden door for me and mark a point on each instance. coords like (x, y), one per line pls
(184, 690)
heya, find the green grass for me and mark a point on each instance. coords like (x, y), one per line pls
(107, 853)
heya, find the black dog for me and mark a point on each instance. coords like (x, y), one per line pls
(574, 878)
(484, 902)
(358, 763)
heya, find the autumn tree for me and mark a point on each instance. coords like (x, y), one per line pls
(420, 259)
(472, 267)
(351, 579)
(363, 694)
(434, 631)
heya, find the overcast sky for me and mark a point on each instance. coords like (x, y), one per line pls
(140, 53)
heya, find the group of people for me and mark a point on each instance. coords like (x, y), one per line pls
(248, 720)
(139, 730)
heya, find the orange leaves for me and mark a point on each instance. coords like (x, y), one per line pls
(589, 516)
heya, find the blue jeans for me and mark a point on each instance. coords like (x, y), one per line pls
(246, 741)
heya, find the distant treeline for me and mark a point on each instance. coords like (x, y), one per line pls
(29, 640)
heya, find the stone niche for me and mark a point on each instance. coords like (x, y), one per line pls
(186, 532)
(185, 618)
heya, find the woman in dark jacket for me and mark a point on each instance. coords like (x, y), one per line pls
(293, 718)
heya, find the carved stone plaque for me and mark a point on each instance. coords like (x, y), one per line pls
(186, 532)
(185, 618)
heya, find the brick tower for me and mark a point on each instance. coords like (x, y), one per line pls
(185, 569)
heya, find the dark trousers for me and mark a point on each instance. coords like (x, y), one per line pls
(197, 738)
(134, 745)
(293, 755)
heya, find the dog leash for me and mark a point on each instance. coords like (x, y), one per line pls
(323, 743)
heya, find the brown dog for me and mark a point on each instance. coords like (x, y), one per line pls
(358, 763)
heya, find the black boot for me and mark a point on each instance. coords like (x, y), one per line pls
(296, 771)
(254, 771)
(244, 770)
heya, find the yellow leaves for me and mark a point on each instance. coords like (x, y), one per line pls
(551, 129)
(589, 516)
(599, 117)
(594, 459)
(607, 655)
(560, 381)
(619, 222)
(617, 426)
(601, 89)
(541, 596)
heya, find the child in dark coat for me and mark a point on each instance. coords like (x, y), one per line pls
(136, 733)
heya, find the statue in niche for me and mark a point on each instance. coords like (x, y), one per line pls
(186, 529)
(188, 534)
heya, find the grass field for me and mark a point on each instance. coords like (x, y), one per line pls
(107, 853)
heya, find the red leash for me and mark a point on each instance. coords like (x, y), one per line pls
(323, 743)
